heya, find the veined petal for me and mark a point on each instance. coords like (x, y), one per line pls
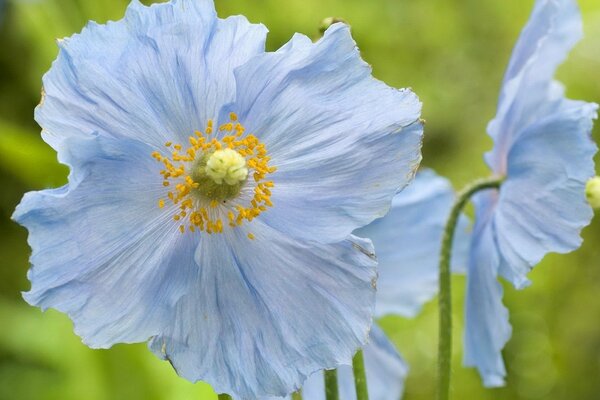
(158, 74)
(487, 328)
(529, 92)
(234, 299)
(407, 242)
(544, 150)
(386, 371)
(101, 252)
(248, 327)
(343, 143)
(542, 207)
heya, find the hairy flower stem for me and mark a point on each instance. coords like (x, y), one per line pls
(331, 385)
(224, 397)
(445, 295)
(360, 376)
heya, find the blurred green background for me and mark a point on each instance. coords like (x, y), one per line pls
(453, 54)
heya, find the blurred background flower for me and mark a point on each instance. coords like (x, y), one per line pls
(453, 54)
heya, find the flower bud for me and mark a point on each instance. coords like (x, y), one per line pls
(592, 192)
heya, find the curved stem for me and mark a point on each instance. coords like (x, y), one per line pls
(445, 295)
(360, 376)
(331, 385)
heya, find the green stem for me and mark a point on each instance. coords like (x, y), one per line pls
(360, 376)
(224, 396)
(331, 385)
(445, 295)
(297, 395)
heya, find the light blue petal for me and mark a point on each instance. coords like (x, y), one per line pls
(343, 142)
(101, 253)
(544, 150)
(407, 242)
(542, 145)
(528, 92)
(386, 371)
(487, 328)
(542, 206)
(266, 313)
(158, 74)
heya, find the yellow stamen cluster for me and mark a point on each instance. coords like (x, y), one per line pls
(208, 205)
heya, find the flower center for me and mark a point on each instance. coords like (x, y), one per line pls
(226, 166)
(211, 179)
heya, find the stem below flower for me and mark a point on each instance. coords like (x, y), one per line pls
(224, 396)
(360, 376)
(331, 385)
(445, 295)
(297, 395)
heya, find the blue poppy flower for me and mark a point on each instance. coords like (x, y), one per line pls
(544, 152)
(213, 191)
(407, 241)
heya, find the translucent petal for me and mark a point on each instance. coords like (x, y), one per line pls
(101, 252)
(386, 371)
(529, 92)
(542, 206)
(407, 243)
(544, 150)
(159, 73)
(487, 328)
(266, 313)
(343, 142)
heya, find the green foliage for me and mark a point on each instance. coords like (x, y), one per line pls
(28, 158)
(453, 54)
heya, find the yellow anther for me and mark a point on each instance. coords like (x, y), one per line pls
(226, 127)
(250, 236)
(226, 161)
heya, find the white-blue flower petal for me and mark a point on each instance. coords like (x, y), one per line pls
(487, 328)
(543, 149)
(343, 142)
(101, 251)
(542, 206)
(528, 91)
(385, 368)
(157, 75)
(266, 313)
(407, 243)
(107, 255)
(542, 145)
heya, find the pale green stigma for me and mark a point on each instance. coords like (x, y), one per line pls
(227, 166)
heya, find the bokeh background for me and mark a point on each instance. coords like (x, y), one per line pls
(453, 54)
